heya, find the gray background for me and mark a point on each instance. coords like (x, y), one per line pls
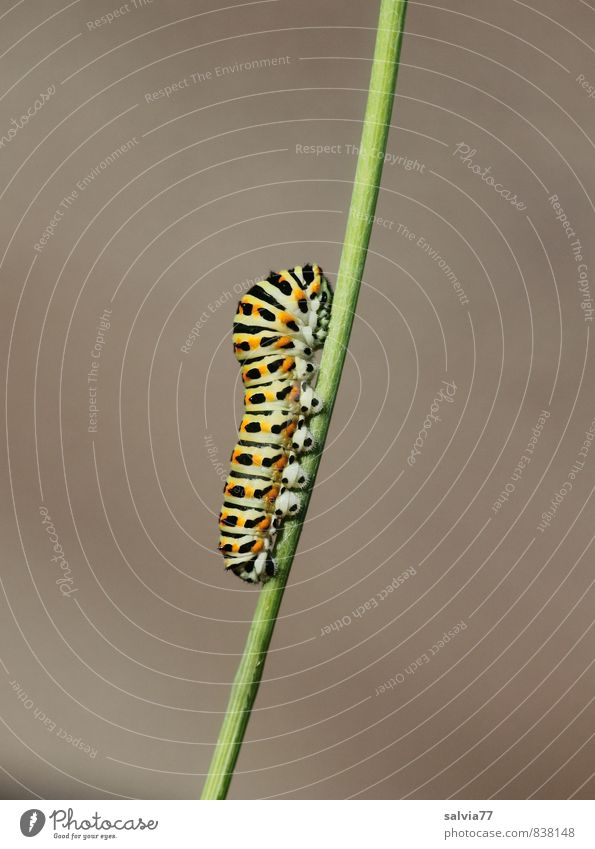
(137, 660)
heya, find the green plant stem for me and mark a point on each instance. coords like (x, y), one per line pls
(353, 257)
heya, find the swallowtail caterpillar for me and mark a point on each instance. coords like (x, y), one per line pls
(279, 324)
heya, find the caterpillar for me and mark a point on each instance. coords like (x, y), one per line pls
(279, 324)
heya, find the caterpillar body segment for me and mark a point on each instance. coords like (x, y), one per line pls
(279, 324)
(266, 462)
(250, 492)
(251, 349)
(250, 522)
(289, 395)
(277, 367)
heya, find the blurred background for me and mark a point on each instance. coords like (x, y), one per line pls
(158, 158)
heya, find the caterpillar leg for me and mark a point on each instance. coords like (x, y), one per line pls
(305, 368)
(256, 570)
(302, 438)
(310, 402)
(287, 503)
(294, 477)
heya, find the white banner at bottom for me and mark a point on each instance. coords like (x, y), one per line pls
(288, 824)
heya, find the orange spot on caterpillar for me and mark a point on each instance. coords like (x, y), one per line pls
(271, 496)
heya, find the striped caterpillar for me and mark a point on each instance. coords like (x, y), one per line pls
(279, 324)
